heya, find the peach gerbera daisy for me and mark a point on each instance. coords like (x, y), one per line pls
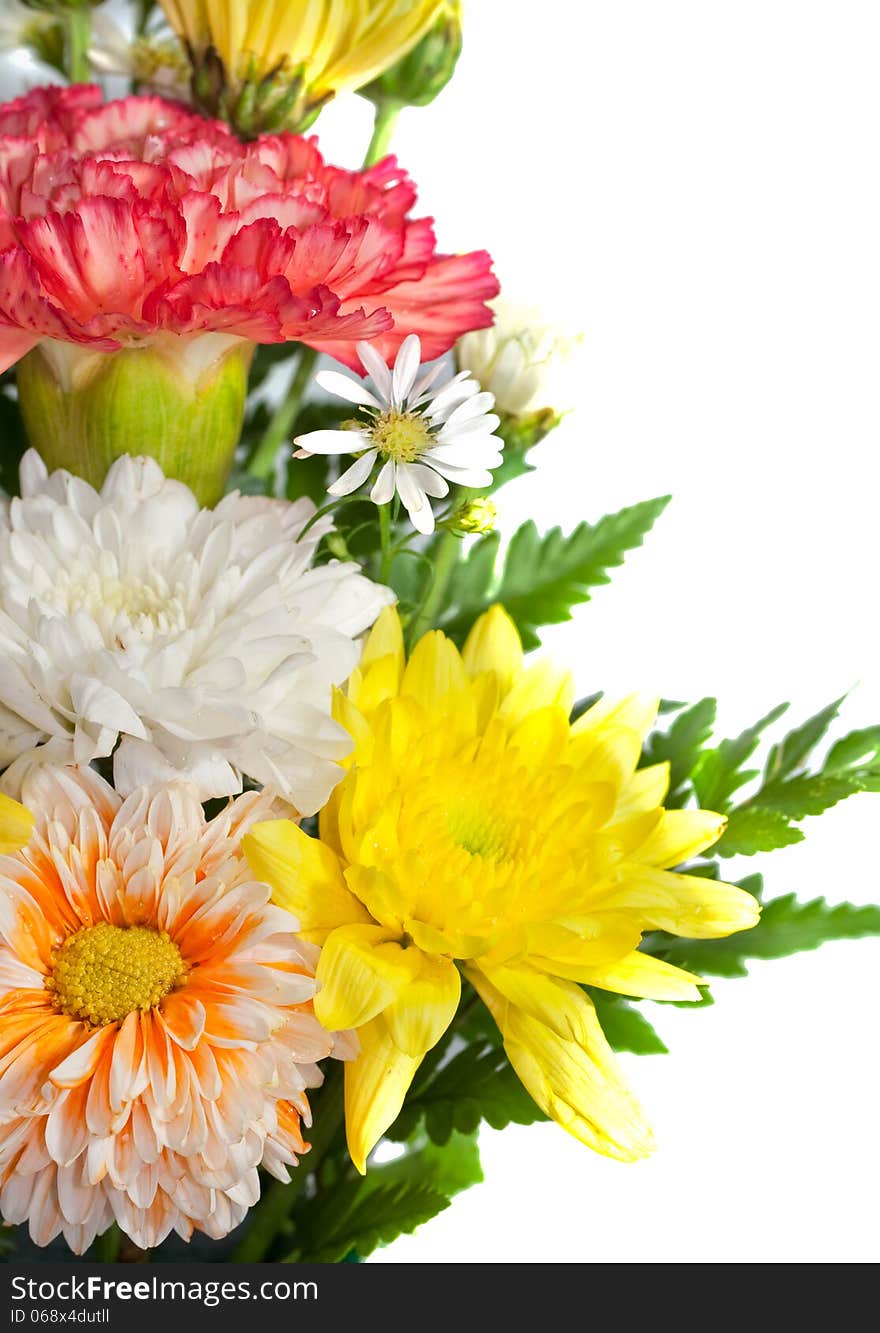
(156, 1025)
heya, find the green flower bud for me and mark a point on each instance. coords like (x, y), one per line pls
(178, 400)
(420, 76)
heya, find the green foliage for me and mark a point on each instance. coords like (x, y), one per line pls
(786, 927)
(542, 577)
(13, 440)
(719, 773)
(681, 746)
(752, 829)
(476, 1084)
(794, 750)
(626, 1027)
(358, 1214)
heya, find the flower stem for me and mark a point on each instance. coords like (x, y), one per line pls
(79, 41)
(387, 114)
(281, 425)
(444, 563)
(385, 538)
(274, 1208)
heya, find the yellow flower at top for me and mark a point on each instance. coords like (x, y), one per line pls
(328, 46)
(478, 833)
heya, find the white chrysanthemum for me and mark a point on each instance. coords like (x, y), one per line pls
(526, 364)
(187, 643)
(424, 438)
(19, 25)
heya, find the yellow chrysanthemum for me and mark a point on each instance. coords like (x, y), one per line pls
(477, 829)
(326, 46)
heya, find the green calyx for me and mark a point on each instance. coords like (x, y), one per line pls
(270, 103)
(180, 401)
(422, 74)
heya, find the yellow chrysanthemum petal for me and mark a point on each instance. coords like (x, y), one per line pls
(566, 948)
(361, 971)
(418, 1019)
(644, 791)
(688, 905)
(375, 1086)
(16, 825)
(559, 1005)
(541, 685)
(679, 835)
(635, 712)
(577, 1083)
(305, 877)
(542, 737)
(493, 645)
(435, 674)
(385, 639)
(641, 975)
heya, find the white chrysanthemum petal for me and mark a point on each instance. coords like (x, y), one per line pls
(355, 476)
(193, 637)
(342, 386)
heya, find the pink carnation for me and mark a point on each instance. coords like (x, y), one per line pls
(123, 220)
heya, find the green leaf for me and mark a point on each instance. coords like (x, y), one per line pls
(792, 752)
(786, 927)
(390, 1201)
(809, 794)
(543, 577)
(681, 746)
(476, 1084)
(721, 772)
(626, 1027)
(752, 829)
(860, 749)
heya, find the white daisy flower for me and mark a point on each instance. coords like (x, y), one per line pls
(422, 437)
(185, 642)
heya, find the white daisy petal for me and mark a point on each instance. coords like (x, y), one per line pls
(415, 501)
(332, 441)
(421, 386)
(385, 484)
(462, 453)
(406, 367)
(477, 406)
(372, 362)
(474, 478)
(430, 481)
(449, 397)
(356, 475)
(342, 386)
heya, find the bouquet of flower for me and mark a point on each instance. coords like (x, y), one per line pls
(308, 867)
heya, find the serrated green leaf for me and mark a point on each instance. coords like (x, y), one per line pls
(625, 1026)
(809, 794)
(543, 577)
(795, 748)
(476, 1084)
(353, 1217)
(721, 772)
(786, 927)
(391, 1200)
(752, 829)
(681, 746)
(860, 749)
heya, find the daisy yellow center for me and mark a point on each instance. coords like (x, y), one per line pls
(400, 436)
(103, 973)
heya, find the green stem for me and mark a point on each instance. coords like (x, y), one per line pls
(444, 563)
(281, 425)
(79, 42)
(276, 1205)
(108, 1245)
(385, 538)
(387, 114)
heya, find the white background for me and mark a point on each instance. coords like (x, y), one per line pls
(695, 186)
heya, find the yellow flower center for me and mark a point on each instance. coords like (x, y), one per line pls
(478, 831)
(400, 436)
(103, 973)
